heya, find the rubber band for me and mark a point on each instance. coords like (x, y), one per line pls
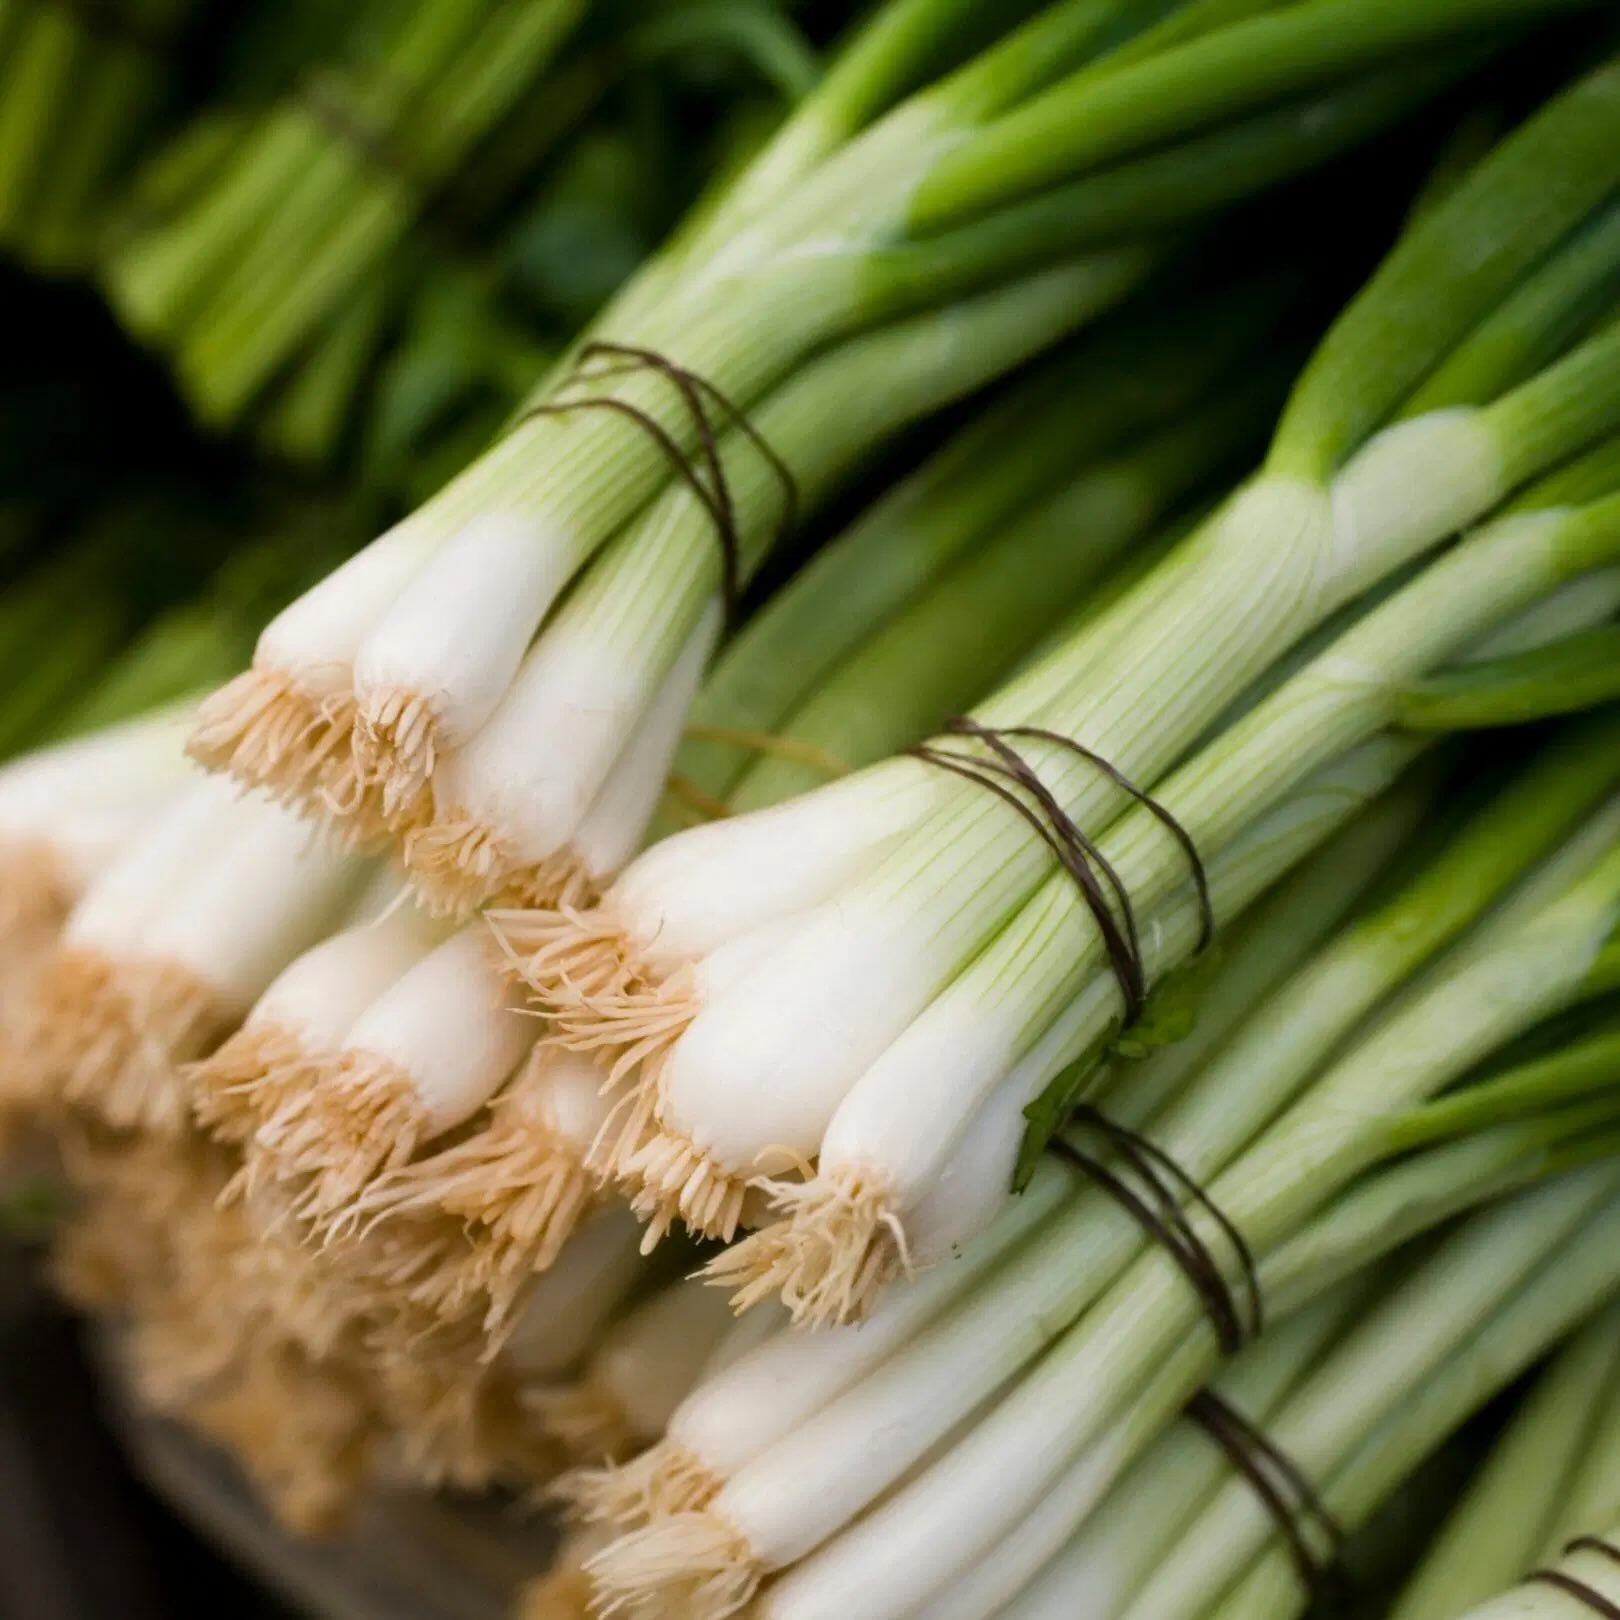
(1078, 854)
(334, 106)
(699, 396)
(1281, 1486)
(1579, 1590)
(1159, 1210)
(1594, 1544)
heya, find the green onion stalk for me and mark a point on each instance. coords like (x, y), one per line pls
(922, 910)
(85, 91)
(463, 857)
(1078, 1016)
(1276, 1128)
(1052, 448)
(507, 1157)
(424, 650)
(1553, 1474)
(1259, 954)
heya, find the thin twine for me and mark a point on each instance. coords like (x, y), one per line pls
(1078, 855)
(1159, 1210)
(1594, 1544)
(329, 100)
(1579, 1590)
(700, 397)
(707, 806)
(1279, 1483)
(112, 22)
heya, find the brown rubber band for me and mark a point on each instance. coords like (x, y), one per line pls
(1017, 769)
(326, 98)
(1078, 855)
(698, 395)
(1579, 1590)
(1280, 1485)
(1148, 1157)
(1160, 1213)
(1200, 877)
(1069, 855)
(1594, 1544)
(1194, 1262)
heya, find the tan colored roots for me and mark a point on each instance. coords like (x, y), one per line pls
(518, 1192)
(302, 1430)
(669, 1178)
(276, 1349)
(206, 1339)
(260, 1072)
(691, 1564)
(663, 1480)
(362, 1117)
(585, 974)
(461, 1426)
(395, 749)
(267, 730)
(36, 894)
(829, 1261)
(586, 1420)
(111, 1036)
(458, 864)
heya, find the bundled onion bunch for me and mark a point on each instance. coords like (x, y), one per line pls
(432, 1105)
(404, 209)
(83, 88)
(1434, 1052)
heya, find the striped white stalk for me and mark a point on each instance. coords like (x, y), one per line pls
(1045, 1570)
(1537, 1600)
(1499, 1529)
(781, 1385)
(824, 1283)
(1580, 1278)
(1407, 1338)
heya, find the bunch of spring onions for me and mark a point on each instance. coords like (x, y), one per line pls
(1375, 1091)
(283, 243)
(887, 972)
(83, 91)
(431, 1108)
(430, 1269)
(885, 251)
(1115, 953)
